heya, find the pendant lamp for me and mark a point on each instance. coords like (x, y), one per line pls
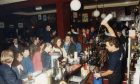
(75, 5)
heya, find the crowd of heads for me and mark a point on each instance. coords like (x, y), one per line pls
(76, 40)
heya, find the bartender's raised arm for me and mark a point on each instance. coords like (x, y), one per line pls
(109, 28)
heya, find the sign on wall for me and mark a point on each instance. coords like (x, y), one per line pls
(11, 26)
(39, 17)
(1, 24)
(44, 18)
(20, 25)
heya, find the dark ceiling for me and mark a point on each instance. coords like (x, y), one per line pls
(30, 5)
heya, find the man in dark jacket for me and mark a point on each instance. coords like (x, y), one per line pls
(47, 37)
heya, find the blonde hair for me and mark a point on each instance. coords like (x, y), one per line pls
(46, 45)
(7, 56)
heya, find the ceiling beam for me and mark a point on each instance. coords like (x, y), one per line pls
(26, 4)
(3, 2)
(35, 13)
(107, 5)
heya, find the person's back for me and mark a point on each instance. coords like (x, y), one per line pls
(46, 59)
(1, 78)
(6, 72)
(8, 75)
(37, 61)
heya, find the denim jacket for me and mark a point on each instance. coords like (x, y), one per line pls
(46, 60)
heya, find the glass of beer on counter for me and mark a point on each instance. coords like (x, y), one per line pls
(30, 76)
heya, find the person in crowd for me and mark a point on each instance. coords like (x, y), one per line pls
(76, 42)
(93, 32)
(46, 57)
(37, 57)
(69, 47)
(46, 61)
(87, 34)
(33, 46)
(17, 66)
(54, 34)
(16, 47)
(58, 47)
(27, 62)
(32, 31)
(47, 36)
(84, 39)
(7, 75)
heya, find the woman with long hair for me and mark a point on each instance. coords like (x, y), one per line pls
(58, 47)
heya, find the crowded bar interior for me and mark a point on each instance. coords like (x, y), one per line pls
(70, 42)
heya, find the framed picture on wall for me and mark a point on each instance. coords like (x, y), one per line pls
(44, 18)
(39, 17)
(1, 24)
(75, 15)
(11, 26)
(85, 17)
(20, 25)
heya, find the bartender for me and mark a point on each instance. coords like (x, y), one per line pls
(113, 72)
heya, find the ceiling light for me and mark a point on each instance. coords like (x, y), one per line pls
(96, 13)
(103, 15)
(75, 5)
(38, 8)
